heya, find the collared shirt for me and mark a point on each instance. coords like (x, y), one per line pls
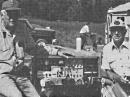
(117, 59)
(6, 45)
(6, 52)
(9, 51)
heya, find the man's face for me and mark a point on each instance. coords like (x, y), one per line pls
(9, 20)
(11, 25)
(118, 33)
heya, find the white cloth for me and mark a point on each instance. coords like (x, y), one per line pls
(84, 29)
(51, 50)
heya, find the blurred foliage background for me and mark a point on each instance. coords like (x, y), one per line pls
(67, 31)
(68, 16)
(68, 10)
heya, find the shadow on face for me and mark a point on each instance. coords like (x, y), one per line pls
(118, 33)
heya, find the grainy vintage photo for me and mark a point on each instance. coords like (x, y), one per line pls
(64, 48)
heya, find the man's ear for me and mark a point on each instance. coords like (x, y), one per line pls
(124, 33)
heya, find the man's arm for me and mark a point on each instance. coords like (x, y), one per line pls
(106, 71)
(19, 50)
(105, 64)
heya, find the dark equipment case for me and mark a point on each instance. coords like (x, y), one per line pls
(91, 67)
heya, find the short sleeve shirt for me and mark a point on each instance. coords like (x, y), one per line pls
(117, 59)
(84, 29)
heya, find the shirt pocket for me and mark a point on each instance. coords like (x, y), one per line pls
(111, 60)
(125, 56)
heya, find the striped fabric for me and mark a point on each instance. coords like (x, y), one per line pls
(107, 91)
(113, 91)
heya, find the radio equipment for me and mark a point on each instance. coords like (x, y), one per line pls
(85, 69)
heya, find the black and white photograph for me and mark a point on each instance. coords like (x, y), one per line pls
(64, 48)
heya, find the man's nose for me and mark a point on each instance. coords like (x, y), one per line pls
(116, 32)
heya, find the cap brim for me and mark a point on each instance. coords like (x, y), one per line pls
(117, 27)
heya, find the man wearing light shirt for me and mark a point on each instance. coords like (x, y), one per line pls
(84, 29)
(11, 55)
(116, 55)
(85, 36)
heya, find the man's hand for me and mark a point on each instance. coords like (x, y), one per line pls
(19, 62)
(110, 75)
(106, 81)
(113, 76)
(61, 53)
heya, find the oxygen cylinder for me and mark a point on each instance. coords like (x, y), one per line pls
(78, 43)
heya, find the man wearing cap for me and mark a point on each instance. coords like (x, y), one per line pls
(10, 4)
(85, 36)
(20, 85)
(7, 58)
(116, 56)
(11, 53)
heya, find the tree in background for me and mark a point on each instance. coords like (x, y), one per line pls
(70, 10)
(1, 1)
(57, 9)
(87, 10)
(29, 7)
(74, 11)
(43, 9)
(97, 11)
(115, 3)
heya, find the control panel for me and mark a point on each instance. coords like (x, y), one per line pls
(58, 68)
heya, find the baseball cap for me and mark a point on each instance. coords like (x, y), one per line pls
(118, 23)
(14, 13)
